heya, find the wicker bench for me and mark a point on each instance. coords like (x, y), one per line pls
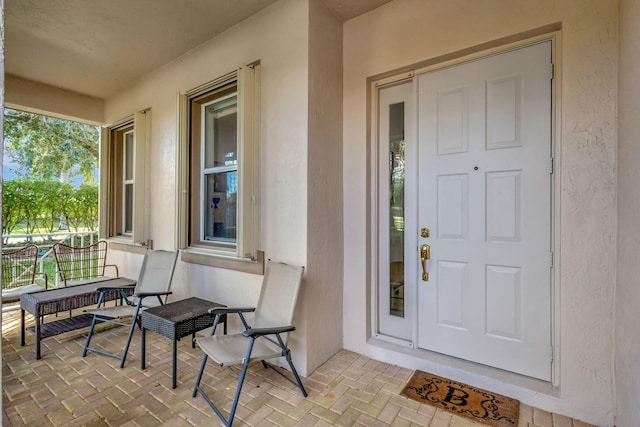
(76, 266)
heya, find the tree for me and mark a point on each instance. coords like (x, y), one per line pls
(56, 196)
(81, 208)
(31, 194)
(87, 194)
(40, 206)
(50, 148)
(11, 207)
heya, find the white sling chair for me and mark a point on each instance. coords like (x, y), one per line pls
(154, 281)
(266, 339)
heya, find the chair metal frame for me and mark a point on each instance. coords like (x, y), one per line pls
(155, 262)
(19, 272)
(270, 340)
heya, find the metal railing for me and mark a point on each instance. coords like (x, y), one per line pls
(45, 242)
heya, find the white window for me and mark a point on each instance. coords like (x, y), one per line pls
(218, 172)
(216, 207)
(123, 169)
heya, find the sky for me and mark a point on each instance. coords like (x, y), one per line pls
(9, 167)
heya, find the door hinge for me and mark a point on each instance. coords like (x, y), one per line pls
(552, 71)
(550, 259)
(551, 165)
(551, 354)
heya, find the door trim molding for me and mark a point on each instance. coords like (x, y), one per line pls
(501, 45)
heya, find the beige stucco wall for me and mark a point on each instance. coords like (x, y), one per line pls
(40, 98)
(627, 302)
(406, 32)
(278, 37)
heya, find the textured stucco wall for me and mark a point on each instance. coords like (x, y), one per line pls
(406, 32)
(627, 302)
(277, 37)
(323, 295)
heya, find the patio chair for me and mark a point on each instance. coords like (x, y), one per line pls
(76, 266)
(266, 339)
(19, 273)
(154, 281)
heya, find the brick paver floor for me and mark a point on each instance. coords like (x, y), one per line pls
(65, 389)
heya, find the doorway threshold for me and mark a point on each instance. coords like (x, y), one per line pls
(487, 377)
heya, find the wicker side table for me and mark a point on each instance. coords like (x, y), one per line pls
(177, 320)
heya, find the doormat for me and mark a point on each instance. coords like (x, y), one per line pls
(461, 399)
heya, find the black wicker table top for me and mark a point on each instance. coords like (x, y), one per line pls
(51, 301)
(180, 318)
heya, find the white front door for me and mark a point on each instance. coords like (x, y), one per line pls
(484, 193)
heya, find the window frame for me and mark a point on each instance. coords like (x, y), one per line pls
(127, 224)
(112, 181)
(197, 206)
(245, 256)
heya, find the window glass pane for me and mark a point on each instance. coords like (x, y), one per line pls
(221, 190)
(128, 208)
(128, 156)
(220, 132)
(396, 209)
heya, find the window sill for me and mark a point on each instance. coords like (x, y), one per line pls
(203, 257)
(125, 245)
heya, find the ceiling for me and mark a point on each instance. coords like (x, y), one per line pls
(100, 47)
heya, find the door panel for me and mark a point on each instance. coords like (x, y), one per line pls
(453, 202)
(452, 285)
(504, 284)
(452, 121)
(484, 190)
(504, 201)
(503, 112)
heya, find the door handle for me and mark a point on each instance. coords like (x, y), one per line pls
(425, 254)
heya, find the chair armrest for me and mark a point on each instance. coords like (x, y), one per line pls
(46, 279)
(268, 331)
(63, 277)
(231, 310)
(151, 294)
(114, 266)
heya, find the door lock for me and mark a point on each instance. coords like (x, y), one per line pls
(424, 232)
(425, 254)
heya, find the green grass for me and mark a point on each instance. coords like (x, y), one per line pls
(49, 267)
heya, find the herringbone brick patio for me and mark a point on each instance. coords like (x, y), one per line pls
(65, 389)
